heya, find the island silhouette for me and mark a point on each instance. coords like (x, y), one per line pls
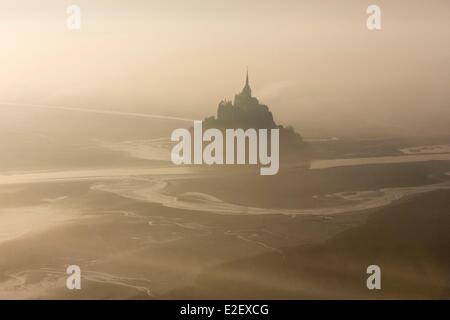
(246, 112)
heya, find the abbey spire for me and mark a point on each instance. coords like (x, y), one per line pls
(246, 80)
(247, 91)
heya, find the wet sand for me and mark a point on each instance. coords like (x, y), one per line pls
(132, 249)
(410, 241)
(148, 237)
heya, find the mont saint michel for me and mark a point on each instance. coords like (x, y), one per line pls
(247, 112)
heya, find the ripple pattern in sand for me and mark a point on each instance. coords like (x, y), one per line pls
(154, 190)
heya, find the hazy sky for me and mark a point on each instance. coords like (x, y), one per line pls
(313, 62)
